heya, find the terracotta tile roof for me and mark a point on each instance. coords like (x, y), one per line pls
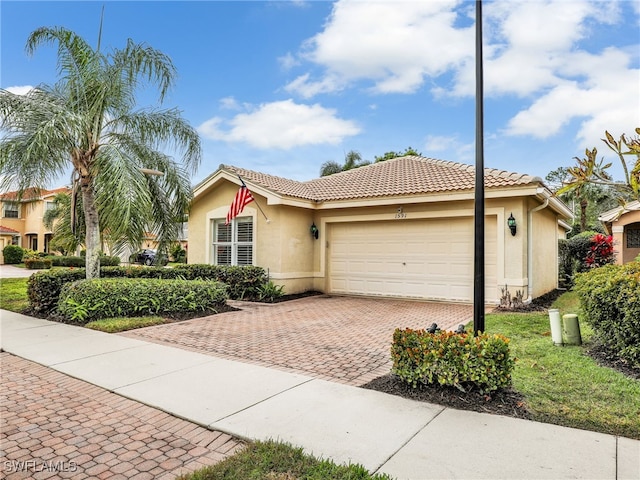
(400, 176)
(7, 230)
(33, 194)
(615, 213)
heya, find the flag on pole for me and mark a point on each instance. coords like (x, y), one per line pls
(242, 198)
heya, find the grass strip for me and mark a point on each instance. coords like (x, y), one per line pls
(122, 324)
(279, 461)
(13, 294)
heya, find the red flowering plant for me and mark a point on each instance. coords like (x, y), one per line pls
(601, 251)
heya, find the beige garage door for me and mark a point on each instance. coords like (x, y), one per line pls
(428, 259)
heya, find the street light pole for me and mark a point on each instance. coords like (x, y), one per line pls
(478, 263)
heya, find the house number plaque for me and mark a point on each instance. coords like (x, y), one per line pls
(400, 213)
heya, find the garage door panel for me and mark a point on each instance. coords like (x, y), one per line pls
(418, 259)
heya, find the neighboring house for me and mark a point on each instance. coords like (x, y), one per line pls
(624, 224)
(399, 228)
(22, 219)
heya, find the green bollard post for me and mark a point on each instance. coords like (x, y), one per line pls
(571, 329)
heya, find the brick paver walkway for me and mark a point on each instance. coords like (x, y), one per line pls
(342, 339)
(54, 426)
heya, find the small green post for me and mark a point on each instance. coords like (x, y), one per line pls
(571, 329)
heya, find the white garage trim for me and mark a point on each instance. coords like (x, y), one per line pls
(426, 258)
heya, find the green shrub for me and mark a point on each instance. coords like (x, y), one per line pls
(87, 300)
(37, 263)
(67, 261)
(244, 282)
(12, 254)
(446, 358)
(269, 291)
(610, 299)
(44, 288)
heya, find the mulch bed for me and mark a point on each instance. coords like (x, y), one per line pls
(506, 402)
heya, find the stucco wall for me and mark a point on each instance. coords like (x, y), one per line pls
(545, 253)
(285, 247)
(624, 254)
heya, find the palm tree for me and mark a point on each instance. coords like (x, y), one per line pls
(352, 160)
(87, 121)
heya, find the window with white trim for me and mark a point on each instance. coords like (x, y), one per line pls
(233, 243)
(11, 210)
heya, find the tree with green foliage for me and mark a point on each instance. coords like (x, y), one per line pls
(390, 155)
(591, 199)
(591, 171)
(128, 182)
(352, 160)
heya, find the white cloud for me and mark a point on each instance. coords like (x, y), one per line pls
(20, 90)
(284, 125)
(393, 44)
(607, 99)
(229, 103)
(450, 144)
(288, 61)
(533, 51)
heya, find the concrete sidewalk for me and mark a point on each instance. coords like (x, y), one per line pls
(404, 438)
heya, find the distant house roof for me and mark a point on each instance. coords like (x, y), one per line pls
(615, 213)
(31, 194)
(8, 231)
(400, 176)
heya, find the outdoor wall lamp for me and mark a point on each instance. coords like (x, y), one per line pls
(511, 222)
(314, 231)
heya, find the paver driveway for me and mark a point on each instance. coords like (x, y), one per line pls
(342, 339)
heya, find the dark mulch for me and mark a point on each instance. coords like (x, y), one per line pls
(502, 402)
(295, 296)
(606, 358)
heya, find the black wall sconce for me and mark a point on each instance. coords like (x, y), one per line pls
(511, 222)
(314, 231)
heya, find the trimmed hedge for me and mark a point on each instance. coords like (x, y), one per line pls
(87, 300)
(610, 298)
(457, 360)
(12, 254)
(80, 262)
(37, 263)
(43, 288)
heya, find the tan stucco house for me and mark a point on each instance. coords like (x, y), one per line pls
(21, 221)
(623, 223)
(399, 228)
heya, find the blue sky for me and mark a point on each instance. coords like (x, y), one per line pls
(281, 87)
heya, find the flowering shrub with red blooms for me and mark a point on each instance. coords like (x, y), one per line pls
(601, 251)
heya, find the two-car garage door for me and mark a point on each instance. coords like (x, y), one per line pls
(427, 259)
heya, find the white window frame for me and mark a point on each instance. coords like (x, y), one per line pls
(234, 243)
(14, 207)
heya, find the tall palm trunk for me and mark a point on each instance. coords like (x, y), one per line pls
(583, 214)
(92, 224)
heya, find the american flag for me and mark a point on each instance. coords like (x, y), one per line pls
(242, 198)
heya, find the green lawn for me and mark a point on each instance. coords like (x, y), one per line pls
(13, 294)
(278, 461)
(562, 385)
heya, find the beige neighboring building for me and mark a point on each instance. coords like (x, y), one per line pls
(21, 221)
(624, 224)
(399, 228)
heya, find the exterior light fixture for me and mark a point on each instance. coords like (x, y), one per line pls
(314, 231)
(511, 222)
